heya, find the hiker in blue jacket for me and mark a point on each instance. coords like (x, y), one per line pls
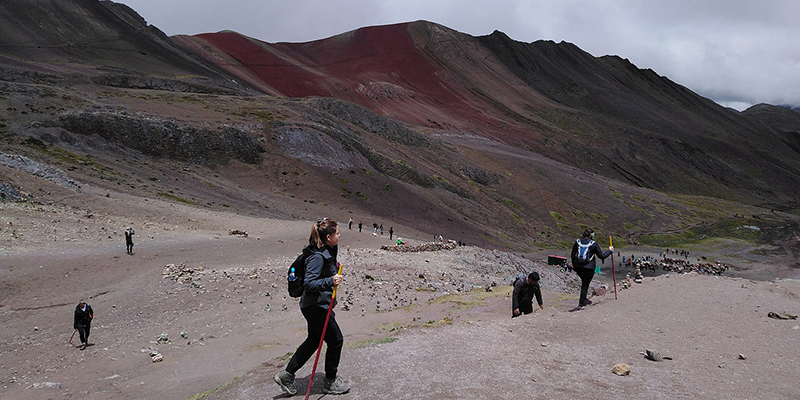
(584, 252)
(321, 275)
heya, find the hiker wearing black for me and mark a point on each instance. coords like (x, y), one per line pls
(522, 298)
(584, 265)
(321, 276)
(129, 240)
(83, 322)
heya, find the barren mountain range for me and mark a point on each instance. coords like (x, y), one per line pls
(511, 148)
(486, 139)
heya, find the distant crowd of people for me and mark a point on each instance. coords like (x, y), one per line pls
(679, 265)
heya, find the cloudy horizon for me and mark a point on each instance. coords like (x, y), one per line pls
(737, 53)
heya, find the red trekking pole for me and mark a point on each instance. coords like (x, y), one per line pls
(322, 339)
(613, 272)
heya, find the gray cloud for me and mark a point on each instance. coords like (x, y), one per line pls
(737, 53)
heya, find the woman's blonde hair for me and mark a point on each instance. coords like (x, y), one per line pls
(320, 231)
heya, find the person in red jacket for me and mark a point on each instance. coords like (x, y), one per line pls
(83, 322)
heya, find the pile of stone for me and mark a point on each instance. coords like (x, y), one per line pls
(237, 232)
(10, 193)
(182, 274)
(420, 247)
(155, 356)
(34, 168)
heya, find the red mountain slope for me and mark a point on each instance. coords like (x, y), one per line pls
(396, 70)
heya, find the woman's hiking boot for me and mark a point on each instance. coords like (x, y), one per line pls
(285, 380)
(335, 386)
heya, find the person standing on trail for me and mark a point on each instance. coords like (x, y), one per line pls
(522, 297)
(129, 240)
(83, 322)
(391, 232)
(321, 276)
(584, 252)
(359, 226)
(350, 223)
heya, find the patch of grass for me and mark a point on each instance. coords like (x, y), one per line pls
(369, 343)
(460, 302)
(203, 395)
(176, 198)
(436, 324)
(440, 179)
(512, 204)
(361, 196)
(577, 193)
(393, 326)
(616, 193)
(579, 214)
(558, 217)
(602, 217)
(639, 208)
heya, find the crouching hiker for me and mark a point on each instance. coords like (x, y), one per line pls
(321, 276)
(522, 298)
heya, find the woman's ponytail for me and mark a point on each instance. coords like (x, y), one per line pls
(320, 231)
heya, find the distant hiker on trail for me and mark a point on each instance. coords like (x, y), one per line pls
(350, 223)
(522, 297)
(321, 276)
(381, 228)
(391, 232)
(374, 228)
(129, 240)
(83, 322)
(359, 226)
(583, 261)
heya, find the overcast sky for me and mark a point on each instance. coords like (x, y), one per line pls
(736, 52)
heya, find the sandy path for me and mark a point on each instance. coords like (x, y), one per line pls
(703, 322)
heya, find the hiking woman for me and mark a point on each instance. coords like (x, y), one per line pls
(320, 278)
(583, 262)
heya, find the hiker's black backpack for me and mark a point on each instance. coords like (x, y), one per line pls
(296, 274)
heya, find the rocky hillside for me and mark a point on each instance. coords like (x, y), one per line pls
(480, 139)
(602, 115)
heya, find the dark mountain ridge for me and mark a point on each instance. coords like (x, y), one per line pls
(485, 139)
(601, 114)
